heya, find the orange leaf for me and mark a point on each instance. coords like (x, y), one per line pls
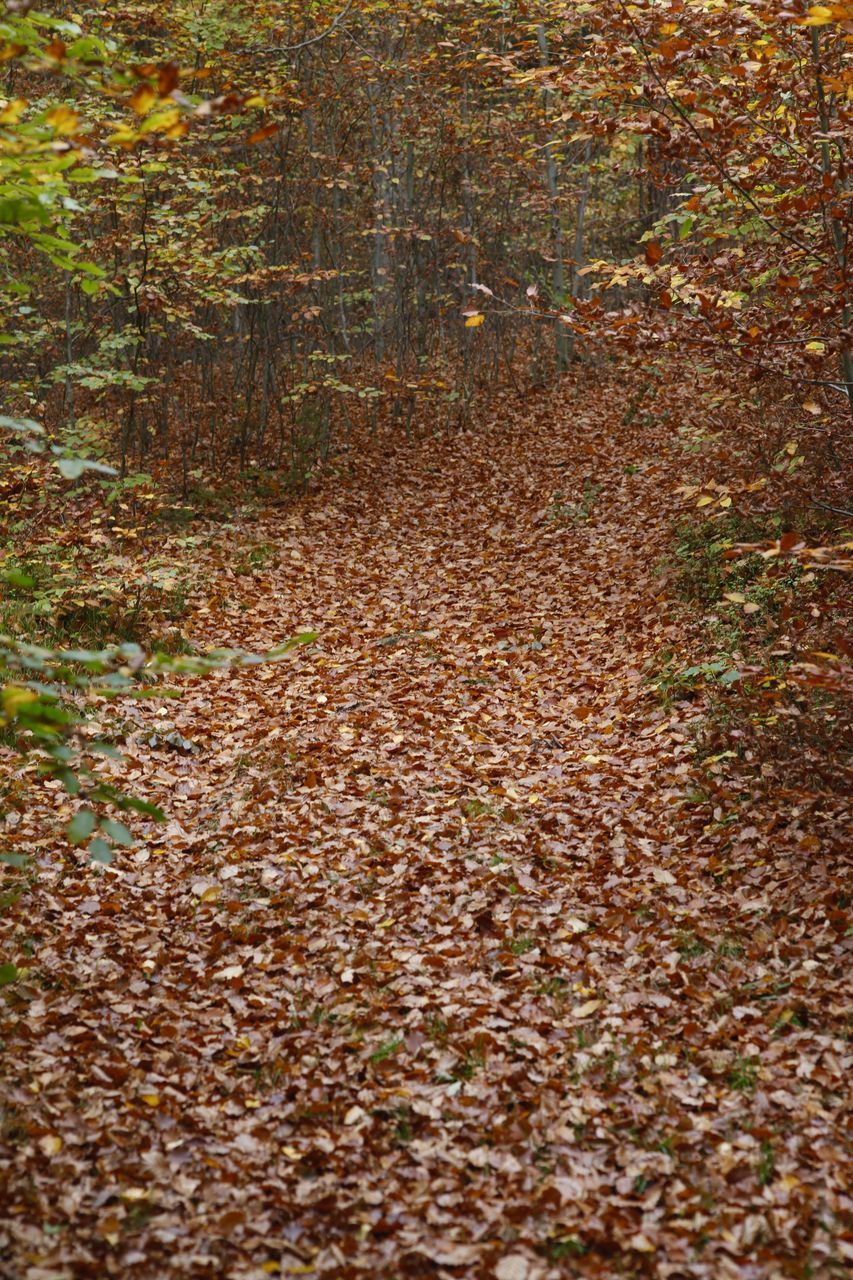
(266, 131)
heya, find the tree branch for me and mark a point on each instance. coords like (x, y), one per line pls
(304, 44)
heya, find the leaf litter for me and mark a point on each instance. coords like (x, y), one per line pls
(432, 972)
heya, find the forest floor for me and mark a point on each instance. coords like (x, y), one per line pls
(437, 969)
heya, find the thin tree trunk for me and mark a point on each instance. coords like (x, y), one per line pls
(558, 274)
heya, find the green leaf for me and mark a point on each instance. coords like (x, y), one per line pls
(88, 49)
(386, 1050)
(69, 780)
(118, 832)
(8, 973)
(304, 637)
(15, 859)
(81, 826)
(17, 578)
(143, 806)
(100, 851)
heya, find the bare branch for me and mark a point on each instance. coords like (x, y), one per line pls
(304, 44)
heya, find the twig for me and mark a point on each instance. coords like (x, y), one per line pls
(303, 44)
(824, 506)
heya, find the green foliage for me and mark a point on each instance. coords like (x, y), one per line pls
(28, 436)
(41, 161)
(559, 1248)
(766, 1169)
(562, 512)
(703, 570)
(672, 681)
(743, 1075)
(45, 714)
(52, 597)
(387, 1049)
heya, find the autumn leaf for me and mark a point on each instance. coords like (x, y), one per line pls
(143, 98)
(587, 1009)
(259, 135)
(63, 120)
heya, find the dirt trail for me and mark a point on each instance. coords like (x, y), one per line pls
(428, 974)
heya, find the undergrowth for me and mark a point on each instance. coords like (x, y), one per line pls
(761, 617)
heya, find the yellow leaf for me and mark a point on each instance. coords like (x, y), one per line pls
(211, 894)
(12, 112)
(123, 137)
(725, 502)
(811, 406)
(151, 1099)
(143, 99)
(161, 121)
(63, 119)
(110, 1229)
(271, 1268)
(705, 501)
(51, 1144)
(819, 16)
(818, 347)
(291, 1153)
(15, 697)
(585, 1010)
(736, 597)
(473, 321)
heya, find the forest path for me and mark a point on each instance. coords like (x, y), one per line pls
(425, 976)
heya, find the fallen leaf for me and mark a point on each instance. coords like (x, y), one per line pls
(513, 1267)
(585, 1010)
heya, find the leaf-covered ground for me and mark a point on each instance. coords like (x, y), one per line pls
(433, 971)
